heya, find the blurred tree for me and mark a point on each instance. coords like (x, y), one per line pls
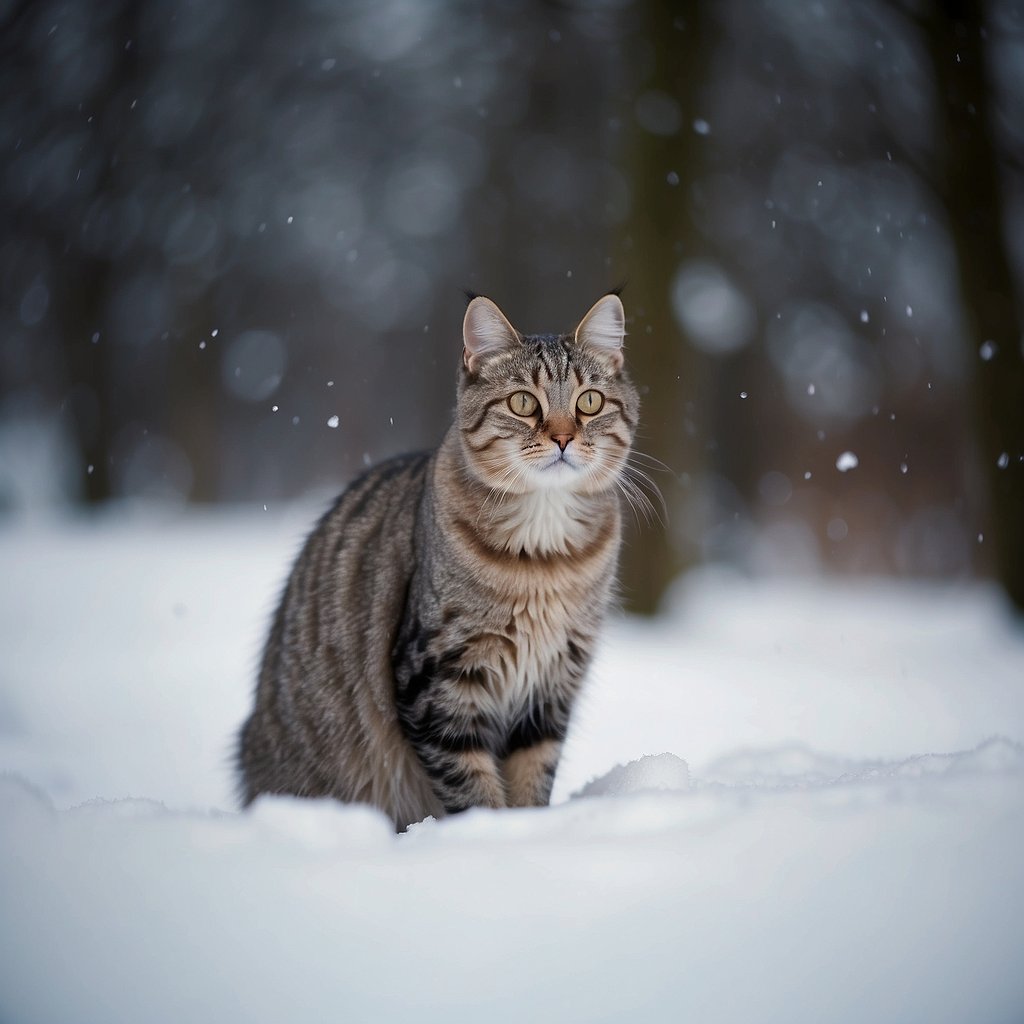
(967, 176)
(660, 233)
(234, 234)
(57, 219)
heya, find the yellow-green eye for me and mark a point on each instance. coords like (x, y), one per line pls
(522, 403)
(590, 402)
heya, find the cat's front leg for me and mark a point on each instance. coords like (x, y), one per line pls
(529, 773)
(453, 747)
(462, 778)
(532, 752)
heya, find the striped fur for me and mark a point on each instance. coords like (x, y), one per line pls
(437, 625)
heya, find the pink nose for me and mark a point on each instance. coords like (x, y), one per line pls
(562, 440)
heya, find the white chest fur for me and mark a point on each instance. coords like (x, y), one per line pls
(543, 522)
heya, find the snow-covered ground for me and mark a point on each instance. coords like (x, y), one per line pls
(786, 801)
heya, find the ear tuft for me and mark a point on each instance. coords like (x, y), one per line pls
(603, 329)
(485, 332)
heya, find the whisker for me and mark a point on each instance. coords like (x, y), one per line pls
(518, 475)
(512, 474)
(649, 460)
(637, 500)
(638, 483)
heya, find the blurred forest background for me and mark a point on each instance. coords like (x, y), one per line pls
(235, 235)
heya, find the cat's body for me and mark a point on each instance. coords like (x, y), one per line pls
(437, 625)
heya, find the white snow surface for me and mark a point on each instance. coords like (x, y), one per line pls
(788, 801)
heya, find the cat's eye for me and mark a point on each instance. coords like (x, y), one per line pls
(522, 403)
(590, 402)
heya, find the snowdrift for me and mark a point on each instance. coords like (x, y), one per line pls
(787, 801)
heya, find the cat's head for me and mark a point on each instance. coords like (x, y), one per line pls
(546, 410)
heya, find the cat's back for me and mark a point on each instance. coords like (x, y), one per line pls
(378, 507)
(357, 561)
(325, 682)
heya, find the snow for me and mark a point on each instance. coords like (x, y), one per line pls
(649, 773)
(793, 800)
(847, 461)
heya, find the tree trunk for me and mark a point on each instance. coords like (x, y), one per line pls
(969, 184)
(659, 235)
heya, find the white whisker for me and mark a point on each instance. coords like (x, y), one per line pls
(649, 460)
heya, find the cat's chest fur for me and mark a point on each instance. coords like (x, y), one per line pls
(519, 658)
(548, 595)
(540, 524)
(534, 578)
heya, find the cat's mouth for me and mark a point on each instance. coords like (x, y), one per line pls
(562, 463)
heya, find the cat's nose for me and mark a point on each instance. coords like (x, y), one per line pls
(562, 440)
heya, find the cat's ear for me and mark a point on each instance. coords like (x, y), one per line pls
(485, 332)
(603, 329)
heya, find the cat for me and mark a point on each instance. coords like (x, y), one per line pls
(435, 630)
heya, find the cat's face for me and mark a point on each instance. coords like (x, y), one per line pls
(546, 411)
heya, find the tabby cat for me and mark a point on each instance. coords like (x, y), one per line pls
(436, 627)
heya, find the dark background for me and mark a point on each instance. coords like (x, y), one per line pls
(226, 222)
